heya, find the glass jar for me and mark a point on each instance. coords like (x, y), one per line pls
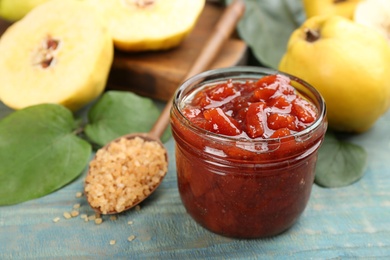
(244, 188)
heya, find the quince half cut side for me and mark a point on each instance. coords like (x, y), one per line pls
(60, 52)
(144, 25)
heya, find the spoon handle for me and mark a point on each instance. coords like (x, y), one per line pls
(222, 31)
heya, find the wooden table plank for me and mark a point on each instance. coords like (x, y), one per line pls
(347, 222)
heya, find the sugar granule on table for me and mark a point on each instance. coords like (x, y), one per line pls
(124, 174)
(98, 221)
(67, 215)
(74, 213)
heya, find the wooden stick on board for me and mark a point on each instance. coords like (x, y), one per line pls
(222, 31)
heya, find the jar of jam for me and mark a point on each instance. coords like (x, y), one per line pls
(246, 143)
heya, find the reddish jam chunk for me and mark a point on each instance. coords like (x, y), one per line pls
(255, 117)
(264, 93)
(278, 121)
(304, 110)
(266, 81)
(221, 122)
(270, 107)
(281, 132)
(222, 91)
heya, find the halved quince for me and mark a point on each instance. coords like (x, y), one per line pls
(141, 25)
(60, 52)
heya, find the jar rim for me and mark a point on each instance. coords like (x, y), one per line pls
(247, 71)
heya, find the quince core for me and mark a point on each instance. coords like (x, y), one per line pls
(144, 25)
(60, 52)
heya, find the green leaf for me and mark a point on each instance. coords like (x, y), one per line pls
(267, 25)
(118, 113)
(340, 163)
(39, 153)
(4, 110)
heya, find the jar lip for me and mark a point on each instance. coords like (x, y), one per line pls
(253, 70)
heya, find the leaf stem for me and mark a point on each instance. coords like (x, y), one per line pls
(78, 131)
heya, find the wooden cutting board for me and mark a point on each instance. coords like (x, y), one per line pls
(158, 74)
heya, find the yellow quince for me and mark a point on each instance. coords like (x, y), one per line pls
(60, 52)
(348, 63)
(143, 25)
(13, 10)
(374, 14)
(330, 7)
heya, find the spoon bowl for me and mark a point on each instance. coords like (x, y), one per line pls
(221, 33)
(132, 152)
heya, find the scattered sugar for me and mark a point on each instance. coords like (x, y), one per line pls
(92, 217)
(67, 215)
(98, 221)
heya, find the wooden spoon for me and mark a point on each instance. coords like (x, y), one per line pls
(221, 33)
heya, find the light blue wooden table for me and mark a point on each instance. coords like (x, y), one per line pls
(341, 223)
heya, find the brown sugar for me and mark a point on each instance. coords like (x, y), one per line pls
(124, 174)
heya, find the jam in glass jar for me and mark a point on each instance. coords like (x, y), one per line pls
(246, 143)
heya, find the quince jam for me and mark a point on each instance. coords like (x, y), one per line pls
(246, 149)
(268, 108)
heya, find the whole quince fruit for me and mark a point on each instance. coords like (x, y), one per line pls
(60, 52)
(144, 25)
(348, 64)
(13, 10)
(344, 8)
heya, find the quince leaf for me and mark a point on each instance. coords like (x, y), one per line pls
(4, 110)
(340, 163)
(39, 153)
(267, 25)
(119, 113)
